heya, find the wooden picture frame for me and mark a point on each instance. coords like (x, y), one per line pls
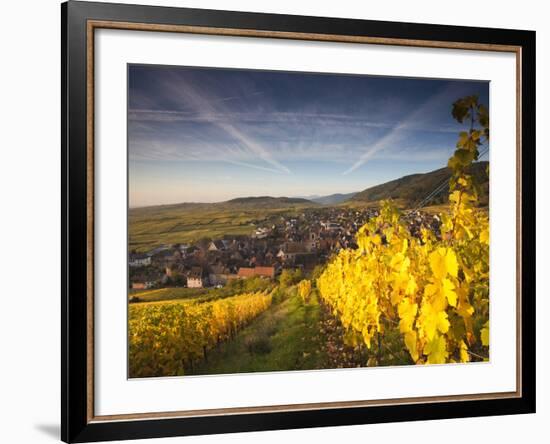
(79, 22)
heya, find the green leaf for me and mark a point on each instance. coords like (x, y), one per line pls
(475, 135)
(462, 139)
(461, 110)
(483, 116)
(468, 142)
(464, 157)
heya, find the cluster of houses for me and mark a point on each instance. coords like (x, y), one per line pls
(299, 241)
(417, 220)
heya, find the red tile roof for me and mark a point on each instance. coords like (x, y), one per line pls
(245, 272)
(258, 271)
(265, 271)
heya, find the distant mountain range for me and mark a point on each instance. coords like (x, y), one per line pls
(413, 188)
(331, 199)
(239, 203)
(267, 202)
(408, 190)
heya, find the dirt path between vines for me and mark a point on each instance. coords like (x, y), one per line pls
(290, 335)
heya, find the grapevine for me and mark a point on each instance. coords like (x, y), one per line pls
(166, 338)
(304, 289)
(434, 289)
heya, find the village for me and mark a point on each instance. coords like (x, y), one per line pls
(296, 241)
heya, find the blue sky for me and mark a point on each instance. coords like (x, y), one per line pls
(209, 135)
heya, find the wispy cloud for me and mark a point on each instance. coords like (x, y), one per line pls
(252, 165)
(270, 137)
(281, 133)
(319, 119)
(398, 133)
(204, 106)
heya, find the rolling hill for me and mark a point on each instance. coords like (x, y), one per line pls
(413, 188)
(239, 203)
(331, 199)
(266, 202)
(189, 222)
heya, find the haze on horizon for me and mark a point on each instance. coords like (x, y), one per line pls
(211, 135)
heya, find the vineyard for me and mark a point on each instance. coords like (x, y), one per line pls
(433, 290)
(167, 337)
(396, 297)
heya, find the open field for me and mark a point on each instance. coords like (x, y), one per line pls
(154, 226)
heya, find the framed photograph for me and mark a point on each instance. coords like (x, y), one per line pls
(277, 221)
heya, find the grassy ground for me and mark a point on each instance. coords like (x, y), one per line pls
(151, 227)
(146, 233)
(285, 337)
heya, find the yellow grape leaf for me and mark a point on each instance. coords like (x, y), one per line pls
(464, 356)
(430, 290)
(442, 262)
(431, 321)
(396, 296)
(411, 286)
(367, 337)
(449, 292)
(363, 242)
(437, 263)
(407, 312)
(410, 342)
(485, 334)
(454, 197)
(484, 236)
(436, 350)
(465, 309)
(468, 274)
(435, 295)
(451, 262)
(400, 263)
